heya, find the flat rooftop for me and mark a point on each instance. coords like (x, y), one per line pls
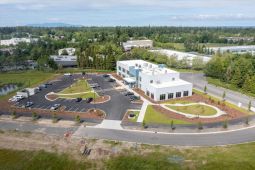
(147, 67)
(167, 84)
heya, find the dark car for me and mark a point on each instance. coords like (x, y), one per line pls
(94, 85)
(89, 100)
(111, 80)
(47, 84)
(133, 97)
(106, 75)
(78, 99)
(128, 93)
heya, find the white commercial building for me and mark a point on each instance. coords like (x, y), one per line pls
(69, 51)
(181, 55)
(157, 82)
(16, 41)
(65, 60)
(137, 44)
(234, 49)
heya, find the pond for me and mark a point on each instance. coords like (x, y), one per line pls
(7, 89)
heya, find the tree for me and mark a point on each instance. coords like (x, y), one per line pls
(64, 52)
(34, 116)
(249, 106)
(54, 118)
(224, 95)
(205, 89)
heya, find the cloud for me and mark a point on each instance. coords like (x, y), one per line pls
(213, 17)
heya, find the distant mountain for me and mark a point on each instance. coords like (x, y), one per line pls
(53, 25)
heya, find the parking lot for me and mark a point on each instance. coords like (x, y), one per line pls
(115, 108)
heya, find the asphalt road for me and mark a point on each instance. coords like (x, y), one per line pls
(199, 82)
(114, 109)
(214, 139)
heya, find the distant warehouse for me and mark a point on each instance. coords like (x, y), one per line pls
(234, 49)
(129, 45)
(65, 60)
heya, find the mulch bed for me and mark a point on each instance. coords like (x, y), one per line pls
(101, 99)
(89, 114)
(141, 93)
(52, 96)
(117, 76)
(231, 113)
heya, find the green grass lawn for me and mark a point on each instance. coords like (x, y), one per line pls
(24, 79)
(84, 96)
(197, 109)
(31, 160)
(152, 116)
(78, 87)
(226, 102)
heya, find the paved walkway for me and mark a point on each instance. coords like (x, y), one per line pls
(219, 112)
(143, 111)
(109, 124)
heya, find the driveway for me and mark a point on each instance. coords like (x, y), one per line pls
(199, 82)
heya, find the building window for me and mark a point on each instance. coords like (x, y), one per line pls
(123, 70)
(178, 94)
(162, 97)
(119, 74)
(140, 78)
(119, 68)
(185, 93)
(151, 81)
(147, 93)
(152, 95)
(170, 95)
(128, 72)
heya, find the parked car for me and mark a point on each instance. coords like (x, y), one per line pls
(94, 85)
(13, 99)
(43, 86)
(106, 75)
(55, 107)
(67, 74)
(133, 97)
(29, 104)
(89, 100)
(78, 99)
(47, 84)
(111, 80)
(128, 93)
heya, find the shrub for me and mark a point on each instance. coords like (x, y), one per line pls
(200, 125)
(34, 116)
(54, 118)
(144, 124)
(225, 124)
(77, 119)
(172, 125)
(14, 115)
(247, 120)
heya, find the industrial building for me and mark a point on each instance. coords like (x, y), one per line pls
(156, 81)
(65, 60)
(137, 44)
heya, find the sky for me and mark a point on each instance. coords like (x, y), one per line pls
(128, 12)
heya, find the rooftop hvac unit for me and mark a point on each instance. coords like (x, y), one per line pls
(157, 82)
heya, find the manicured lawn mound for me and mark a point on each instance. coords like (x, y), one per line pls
(38, 160)
(153, 116)
(197, 109)
(77, 87)
(80, 86)
(84, 96)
